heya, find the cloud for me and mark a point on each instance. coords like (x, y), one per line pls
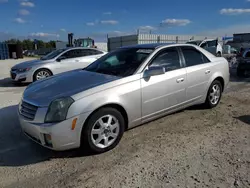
(107, 13)
(175, 22)
(229, 31)
(147, 28)
(41, 35)
(19, 20)
(231, 11)
(23, 12)
(90, 23)
(63, 30)
(27, 3)
(111, 22)
(4, 1)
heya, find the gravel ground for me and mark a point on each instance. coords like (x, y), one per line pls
(191, 148)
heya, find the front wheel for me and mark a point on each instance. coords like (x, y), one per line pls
(103, 131)
(41, 74)
(214, 94)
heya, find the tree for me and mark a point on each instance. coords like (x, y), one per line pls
(28, 44)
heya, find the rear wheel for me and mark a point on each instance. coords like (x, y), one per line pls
(218, 54)
(214, 94)
(41, 74)
(103, 131)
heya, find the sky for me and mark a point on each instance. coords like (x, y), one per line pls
(54, 19)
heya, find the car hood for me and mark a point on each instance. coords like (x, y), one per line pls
(41, 93)
(28, 64)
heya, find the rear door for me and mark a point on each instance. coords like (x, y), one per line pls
(199, 71)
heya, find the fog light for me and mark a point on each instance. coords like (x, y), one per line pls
(48, 140)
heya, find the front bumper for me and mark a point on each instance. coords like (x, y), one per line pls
(25, 77)
(62, 135)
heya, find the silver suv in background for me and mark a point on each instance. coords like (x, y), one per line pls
(58, 61)
(123, 89)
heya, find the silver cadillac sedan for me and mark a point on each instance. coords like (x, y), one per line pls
(58, 61)
(92, 107)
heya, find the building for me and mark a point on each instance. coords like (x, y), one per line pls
(116, 42)
(241, 37)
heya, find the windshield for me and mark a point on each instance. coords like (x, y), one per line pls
(122, 62)
(194, 42)
(52, 54)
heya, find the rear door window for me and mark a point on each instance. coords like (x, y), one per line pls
(193, 56)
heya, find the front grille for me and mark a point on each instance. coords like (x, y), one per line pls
(28, 110)
(13, 75)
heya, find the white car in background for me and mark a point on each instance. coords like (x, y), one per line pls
(58, 61)
(211, 45)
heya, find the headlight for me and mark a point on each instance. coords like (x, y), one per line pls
(58, 110)
(24, 70)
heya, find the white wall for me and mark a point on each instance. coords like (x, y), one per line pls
(102, 46)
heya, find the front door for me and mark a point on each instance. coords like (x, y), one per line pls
(199, 70)
(70, 61)
(88, 56)
(164, 92)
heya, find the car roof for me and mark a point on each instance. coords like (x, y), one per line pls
(147, 46)
(69, 48)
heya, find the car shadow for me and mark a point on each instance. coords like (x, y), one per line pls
(7, 82)
(244, 119)
(17, 150)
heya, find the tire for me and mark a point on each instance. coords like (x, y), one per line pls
(210, 100)
(218, 54)
(42, 72)
(94, 135)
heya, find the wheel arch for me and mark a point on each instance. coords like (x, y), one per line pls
(116, 106)
(221, 80)
(217, 76)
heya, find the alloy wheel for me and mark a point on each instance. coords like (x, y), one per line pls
(215, 94)
(42, 74)
(105, 131)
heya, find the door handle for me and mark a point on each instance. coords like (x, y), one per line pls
(207, 71)
(180, 80)
(77, 60)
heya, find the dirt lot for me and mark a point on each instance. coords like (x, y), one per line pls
(192, 148)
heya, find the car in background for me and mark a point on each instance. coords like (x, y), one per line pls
(124, 88)
(211, 45)
(58, 61)
(243, 68)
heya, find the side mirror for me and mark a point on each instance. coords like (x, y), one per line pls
(60, 58)
(154, 71)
